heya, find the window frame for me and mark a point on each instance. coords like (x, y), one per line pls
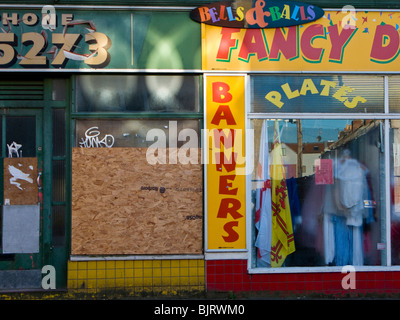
(75, 116)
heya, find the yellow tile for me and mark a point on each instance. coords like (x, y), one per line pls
(91, 274)
(175, 272)
(119, 264)
(147, 264)
(101, 283)
(183, 280)
(157, 272)
(157, 263)
(110, 273)
(91, 265)
(194, 280)
(183, 263)
(166, 281)
(174, 263)
(147, 282)
(193, 271)
(175, 281)
(82, 274)
(119, 273)
(72, 284)
(110, 283)
(201, 272)
(128, 264)
(166, 272)
(138, 282)
(129, 273)
(82, 265)
(129, 282)
(157, 281)
(100, 273)
(183, 272)
(147, 273)
(166, 263)
(193, 263)
(72, 265)
(110, 264)
(120, 282)
(72, 274)
(138, 264)
(138, 273)
(101, 264)
(92, 284)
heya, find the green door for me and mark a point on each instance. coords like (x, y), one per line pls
(22, 218)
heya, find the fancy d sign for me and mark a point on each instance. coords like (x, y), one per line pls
(263, 14)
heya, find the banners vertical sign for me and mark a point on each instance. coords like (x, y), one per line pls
(225, 145)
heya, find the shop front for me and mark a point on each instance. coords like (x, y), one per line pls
(98, 104)
(146, 149)
(316, 202)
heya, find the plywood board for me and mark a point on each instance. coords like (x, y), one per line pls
(20, 181)
(121, 204)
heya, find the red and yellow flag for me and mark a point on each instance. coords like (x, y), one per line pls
(282, 243)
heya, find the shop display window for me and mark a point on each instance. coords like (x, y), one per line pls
(319, 191)
(325, 205)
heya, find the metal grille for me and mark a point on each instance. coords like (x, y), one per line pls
(21, 90)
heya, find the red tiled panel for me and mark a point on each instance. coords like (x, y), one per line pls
(232, 275)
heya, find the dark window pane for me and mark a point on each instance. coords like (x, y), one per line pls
(58, 225)
(59, 132)
(59, 181)
(21, 136)
(59, 89)
(133, 93)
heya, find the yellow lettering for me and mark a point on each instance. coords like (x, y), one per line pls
(354, 102)
(289, 93)
(275, 98)
(240, 14)
(327, 85)
(286, 12)
(341, 93)
(308, 85)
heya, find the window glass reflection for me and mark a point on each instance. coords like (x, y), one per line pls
(317, 192)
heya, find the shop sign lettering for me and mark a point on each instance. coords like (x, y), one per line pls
(225, 179)
(385, 45)
(341, 40)
(261, 14)
(30, 40)
(324, 88)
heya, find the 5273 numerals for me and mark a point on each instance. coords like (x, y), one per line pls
(62, 44)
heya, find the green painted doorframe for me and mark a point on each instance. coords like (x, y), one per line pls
(51, 252)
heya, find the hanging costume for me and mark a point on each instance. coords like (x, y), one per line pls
(344, 212)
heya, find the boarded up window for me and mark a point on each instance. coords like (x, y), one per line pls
(121, 204)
